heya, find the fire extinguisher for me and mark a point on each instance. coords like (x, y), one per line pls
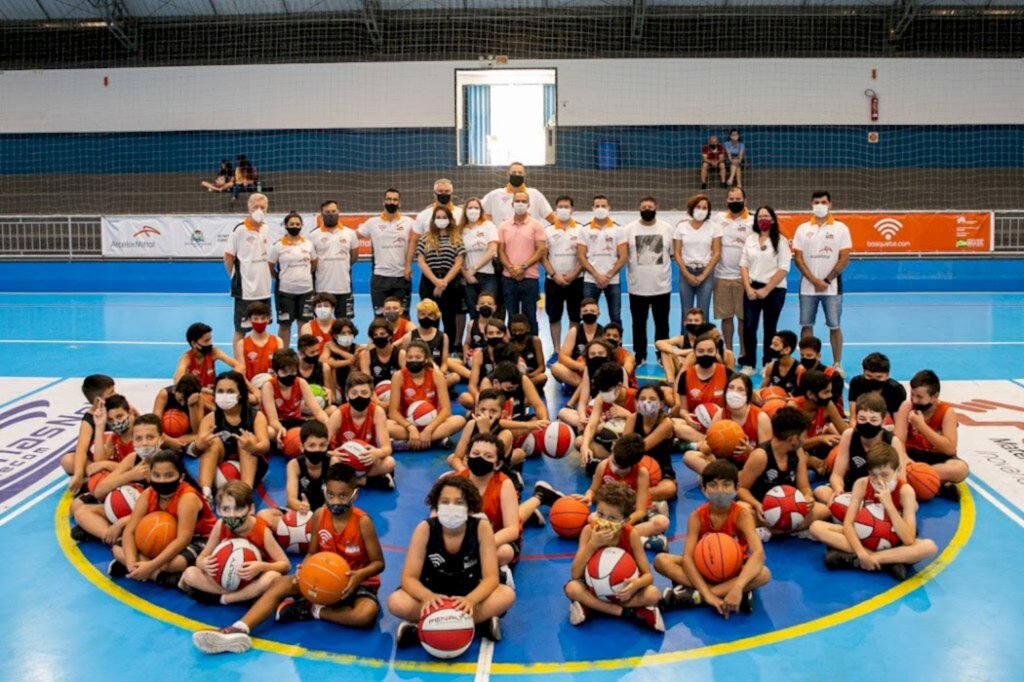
(874, 103)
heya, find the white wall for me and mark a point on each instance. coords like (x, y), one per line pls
(590, 92)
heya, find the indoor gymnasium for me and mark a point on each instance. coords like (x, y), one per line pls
(493, 339)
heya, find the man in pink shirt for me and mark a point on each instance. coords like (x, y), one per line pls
(522, 244)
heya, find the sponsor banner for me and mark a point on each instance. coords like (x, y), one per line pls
(177, 236)
(884, 233)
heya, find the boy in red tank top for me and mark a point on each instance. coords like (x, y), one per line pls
(201, 358)
(338, 527)
(109, 448)
(257, 348)
(815, 400)
(286, 395)
(323, 319)
(927, 426)
(897, 498)
(721, 514)
(361, 419)
(237, 520)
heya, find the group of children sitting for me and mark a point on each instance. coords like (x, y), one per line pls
(334, 391)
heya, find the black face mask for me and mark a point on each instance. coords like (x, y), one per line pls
(205, 350)
(516, 180)
(415, 366)
(359, 404)
(648, 216)
(519, 338)
(339, 509)
(495, 341)
(589, 318)
(612, 342)
(871, 385)
(479, 466)
(736, 206)
(921, 408)
(485, 311)
(287, 380)
(594, 364)
(315, 457)
(164, 488)
(444, 199)
(391, 208)
(868, 431)
(705, 361)
(294, 231)
(310, 359)
(821, 402)
(428, 322)
(692, 329)
(381, 341)
(808, 363)
(330, 219)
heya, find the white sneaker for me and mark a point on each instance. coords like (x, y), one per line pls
(839, 370)
(577, 614)
(226, 640)
(661, 506)
(803, 535)
(748, 371)
(764, 534)
(507, 579)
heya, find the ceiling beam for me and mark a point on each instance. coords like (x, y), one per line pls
(639, 17)
(370, 8)
(903, 13)
(119, 22)
(43, 10)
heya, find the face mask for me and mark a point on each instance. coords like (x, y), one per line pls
(473, 214)
(485, 311)
(391, 208)
(495, 341)
(808, 363)
(441, 223)
(146, 452)
(612, 342)
(648, 408)
(226, 401)
(705, 361)
(330, 219)
(605, 525)
(921, 408)
(310, 359)
(764, 224)
(452, 516)
(164, 488)
(609, 396)
(601, 213)
(520, 208)
(890, 484)
(443, 199)
(821, 402)
(381, 341)
(720, 499)
(871, 385)
(415, 366)
(119, 427)
(736, 207)
(820, 210)
(648, 215)
(594, 364)
(428, 322)
(344, 340)
(692, 329)
(735, 399)
(315, 457)
(516, 180)
(700, 214)
(293, 231)
(479, 466)
(233, 523)
(259, 327)
(205, 350)
(616, 469)
(339, 509)
(589, 318)
(258, 215)
(519, 338)
(323, 312)
(391, 315)
(563, 214)
(359, 404)
(868, 431)
(287, 380)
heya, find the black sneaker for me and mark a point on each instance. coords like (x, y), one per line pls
(382, 482)
(293, 611)
(115, 569)
(536, 519)
(641, 360)
(406, 635)
(546, 494)
(517, 480)
(897, 571)
(836, 560)
(679, 597)
(747, 602)
(949, 491)
(591, 468)
(491, 629)
(78, 534)
(201, 596)
(169, 580)
(648, 617)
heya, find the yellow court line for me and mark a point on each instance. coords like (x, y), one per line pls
(963, 533)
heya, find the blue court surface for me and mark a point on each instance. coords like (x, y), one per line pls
(957, 617)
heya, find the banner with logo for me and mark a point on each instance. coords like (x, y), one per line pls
(178, 236)
(885, 233)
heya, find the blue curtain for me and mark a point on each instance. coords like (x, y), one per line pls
(549, 103)
(477, 124)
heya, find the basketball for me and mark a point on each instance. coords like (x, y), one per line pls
(874, 528)
(567, 517)
(558, 440)
(94, 480)
(653, 469)
(350, 452)
(291, 444)
(175, 423)
(830, 461)
(260, 379)
(608, 570)
(230, 556)
(446, 632)
(719, 557)
(531, 443)
(155, 531)
(421, 413)
(383, 391)
(773, 405)
(724, 437)
(705, 414)
(839, 506)
(294, 530)
(924, 480)
(323, 577)
(784, 507)
(228, 470)
(121, 501)
(772, 392)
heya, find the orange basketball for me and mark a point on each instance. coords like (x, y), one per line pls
(830, 461)
(155, 531)
(719, 557)
(923, 479)
(175, 423)
(773, 405)
(292, 443)
(323, 577)
(567, 517)
(95, 479)
(773, 392)
(724, 437)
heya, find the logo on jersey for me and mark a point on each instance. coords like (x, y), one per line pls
(771, 474)
(147, 231)
(436, 560)
(324, 536)
(859, 461)
(351, 548)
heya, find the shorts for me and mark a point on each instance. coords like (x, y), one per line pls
(361, 592)
(559, 300)
(728, 295)
(931, 458)
(382, 287)
(293, 307)
(833, 306)
(192, 550)
(517, 551)
(241, 319)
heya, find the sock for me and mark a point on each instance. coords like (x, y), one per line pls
(239, 625)
(222, 601)
(207, 491)
(315, 611)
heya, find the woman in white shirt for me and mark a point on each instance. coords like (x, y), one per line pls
(480, 239)
(698, 247)
(292, 263)
(764, 266)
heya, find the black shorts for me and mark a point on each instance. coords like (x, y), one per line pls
(382, 287)
(931, 458)
(558, 299)
(293, 307)
(192, 550)
(241, 318)
(361, 592)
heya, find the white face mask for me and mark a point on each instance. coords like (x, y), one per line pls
(452, 516)
(820, 210)
(700, 213)
(441, 223)
(609, 396)
(258, 215)
(520, 208)
(735, 399)
(342, 340)
(323, 312)
(563, 214)
(891, 485)
(473, 214)
(601, 213)
(226, 401)
(146, 452)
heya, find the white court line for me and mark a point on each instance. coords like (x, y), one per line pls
(104, 342)
(996, 503)
(61, 483)
(483, 662)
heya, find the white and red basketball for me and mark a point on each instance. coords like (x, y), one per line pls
(608, 570)
(421, 413)
(446, 632)
(840, 503)
(228, 470)
(705, 415)
(230, 556)
(530, 443)
(120, 502)
(383, 391)
(294, 531)
(351, 452)
(558, 440)
(260, 379)
(784, 507)
(874, 528)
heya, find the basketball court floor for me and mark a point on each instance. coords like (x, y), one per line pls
(956, 617)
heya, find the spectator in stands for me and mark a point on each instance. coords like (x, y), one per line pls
(295, 261)
(498, 202)
(821, 248)
(712, 154)
(246, 177)
(440, 254)
(390, 234)
(763, 267)
(522, 244)
(734, 226)
(224, 180)
(246, 262)
(336, 251)
(444, 190)
(697, 248)
(736, 150)
(603, 253)
(649, 275)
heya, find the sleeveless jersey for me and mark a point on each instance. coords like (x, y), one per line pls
(172, 402)
(630, 478)
(773, 475)
(818, 421)
(871, 496)
(749, 425)
(383, 370)
(202, 370)
(322, 335)
(257, 536)
(436, 345)
(206, 519)
(528, 352)
(660, 453)
(341, 373)
(515, 407)
(916, 441)
(348, 542)
(401, 329)
(629, 403)
(787, 381)
(228, 433)
(582, 340)
(491, 497)
(730, 526)
(858, 465)
(620, 359)
(310, 486)
(290, 407)
(699, 392)
(477, 339)
(412, 392)
(257, 358)
(348, 430)
(316, 376)
(121, 449)
(453, 574)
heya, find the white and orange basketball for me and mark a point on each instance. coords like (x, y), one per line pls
(228, 470)
(557, 440)
(840, 504)
(874, 528)
(705, 414)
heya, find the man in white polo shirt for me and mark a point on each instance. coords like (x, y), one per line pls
(245, 259)
(821, 249)
(337, 250)
(649, 275)
(498, 202)
(444, 190)
(563, 282)
(390, 234)
(734, 226)
(603, 253)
